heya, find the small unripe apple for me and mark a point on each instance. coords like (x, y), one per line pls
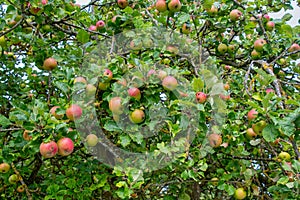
(90, 90)
(270, 26)
(162, 74)
(93, 28)
(80, 79)
(255, 54)
(103, 86)
(231, 48)
(92, 140)
(294, 47)
(135, 93)
(49, 64)
(74, 112)
(222, 48)
(161, 5)
(252, 114)
(53, 112)
(49, 149)
(137, 116)
(26, 135)
(212, 11)
(227, 67)
(235, 15)
(115, 105)
(4, 167)
(240, 193)
(65, 146)
(122, 3)
(21, 188)
(266, 17)
(259, 44)
(215, 181)
(136, 45)
(284, 156)
(201, 97)
(172, 49)
(250, 133)
(13, 179)
(215, 140)
(169, 83)
(100, 24)
(226, 86)
(174, 5)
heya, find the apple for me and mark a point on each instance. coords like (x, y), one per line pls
(266, 17)
(186, 28)
(225, 97)
(255, 54)
(122, 3)
(268, 90)
(91, 140)
(107, 74)
(250, 133)
(115, 105)
(169, 83)
(259, 126)
(93, 28)
(100, 24)
(4, 167)
(136, 45)
(226, 86)
(137, 116)
(201, 97)
(103, 86)
(270, 26)
(26, 136)
(135, 93)
(74, 112)
(215, 181)
(161, 5)
(151, 72)
(235, 15)
(65, 146)
(215, 140)
(49, 149)
(227, 67)
(252, 114)
(282, 62)
(212, 11)
(259, 44)
(161, 74)
(222, 48)
(114, 19)
(148, 43)
(294, 47)
(3, 42)
(52, 111)
(172, 49)
(231, 48)
(80, 79)
(174, 5)
(284, 156)
(90, 90)
(21, 188)
(44, 2)
(240, 193)
(49, 64)
(13, 179)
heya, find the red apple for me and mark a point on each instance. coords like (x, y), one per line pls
(162, 74)
(115, 105)
(227, 67)
(161, 5)
(65, 146)
(270, 26)
(80, 79)
(44, 2)
(26, 135)
(48, 150)
(169, 83)
(74, 112)
(174, 5)
(122, 3)
(250, 133)
(226, 86)
(201, 97)
(252, 114)
(4, 167)
(267, 17)
(225, 97)
(100, 24)
(258, 44)
(92, 140)
(215, 140)
(135, 93)
(235, 15)
(137, 116)
(294, 47)
(50, 64)
(212, 11)
(268, 90)
(93, 28)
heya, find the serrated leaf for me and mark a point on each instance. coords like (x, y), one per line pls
(283, 180)
(197, 84)
(270, 133)
(62, 86)
(83, 36)
(287, 17)
(125, 140)
(4, 121)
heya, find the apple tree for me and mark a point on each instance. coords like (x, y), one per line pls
(166, 99)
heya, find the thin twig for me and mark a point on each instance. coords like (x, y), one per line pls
(12, 28)
(22, 181)
(11, 129)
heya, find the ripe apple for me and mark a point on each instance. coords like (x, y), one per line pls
(222, 48)
(240, 193)
(115, 105)
(227, 67)
(65, 146)
(26, 135)
(100, 24)
(284, 156)
(215, 140)
(225, 97)
(250, 133)
(151, 72)
(137, 116)
(92, 140)
(268, 90)
(226, 86)
(4, 167)
(201, 97)
(186, 28)
(174, 5)
(122, 3)
(266, 17)
(252, 114)
(259, 44)
(74, 112)
(270, 26)
(13, 179)
(21, 188)
(52, 111)
(255, 54)
(93, 28)
(48, 150)
(294, 47)
(161, 5)
(259, 126)
(172, 49)
(90, 90)
(80, 79)
(235, 15)
(135, 93)
(212, 11)
(169, 83)
(162, 74)
(50, 64)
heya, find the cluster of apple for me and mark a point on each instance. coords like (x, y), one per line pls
(63, 147)
(99, 25)
(14, 178)
(173, 5)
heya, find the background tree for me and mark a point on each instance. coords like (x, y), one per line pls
(51, 66)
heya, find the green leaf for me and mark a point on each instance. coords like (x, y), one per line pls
(62, 86)
(270, 133)
(4, 121)
(71, 183)
(125, 140)
(287, 17)
(283, 180)
(197, 84)
(83, 36)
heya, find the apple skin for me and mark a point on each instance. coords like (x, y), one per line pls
(4, 167)
(91, 140)
(212, 11)
(268, 90)
(151, 72)
(100, 24)
(169, 83)
(20, 188)
(252, 114)
(240, 193)
(259, 126)
(122, 3)
(215, 140)
(65, 146)
(235, 15)
(103, 86)
(135, 93)
(115, 105)
(48, 150)
(93, 28)
(162, 74)
(44, 2)
(201, 97)
(259, 44)
(294, 47)
(284, 156)
(172, 49)
(270, 26)
(174, 5)
(250, 133)
(80, 79)
(13, 179)
(225, 97)
(161, 5)
(137, 116)
(49, 64)
(255, 54)
(52, 111)
(222, 48)
(186, 29)
(74, 112)
(90, 90)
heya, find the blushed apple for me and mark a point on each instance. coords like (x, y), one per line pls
(235, 15)
(49, 64)
(74, 112)
(49, 149)
(92, 140)
(201, 97)
(135, 93)
(169, 83)
(137, 116)
(115, 105)
(161, 5)
(4, 167)
(65, 146)
(252, 114)
(215, 140)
